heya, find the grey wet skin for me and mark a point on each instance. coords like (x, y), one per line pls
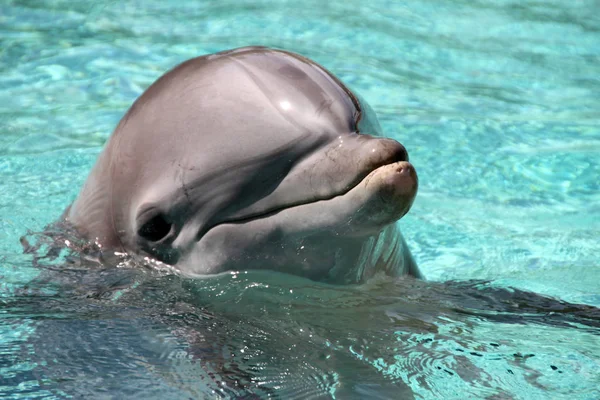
(252, 158)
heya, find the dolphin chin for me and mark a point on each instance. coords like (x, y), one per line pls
(252, 158)
(319, 229)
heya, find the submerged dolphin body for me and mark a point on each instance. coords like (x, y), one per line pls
(252, 158)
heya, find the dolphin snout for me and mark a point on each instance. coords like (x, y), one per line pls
(397, 150)
(383, 197)
(406, 169)
(378, 152)
(404, 181)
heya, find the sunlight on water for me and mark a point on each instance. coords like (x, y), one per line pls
(498, 105)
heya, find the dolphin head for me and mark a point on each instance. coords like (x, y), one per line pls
(252, 158)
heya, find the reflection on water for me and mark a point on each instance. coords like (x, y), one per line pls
(85, 330)
(497, 103)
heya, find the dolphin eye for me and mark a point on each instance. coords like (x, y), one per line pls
(155, 229)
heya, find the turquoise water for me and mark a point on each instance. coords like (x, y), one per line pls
(498, 104)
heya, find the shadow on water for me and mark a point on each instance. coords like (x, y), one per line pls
(89, 330)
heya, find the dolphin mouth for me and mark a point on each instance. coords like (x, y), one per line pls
(397, 157)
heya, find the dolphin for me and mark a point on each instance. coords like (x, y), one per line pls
(252, 158)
